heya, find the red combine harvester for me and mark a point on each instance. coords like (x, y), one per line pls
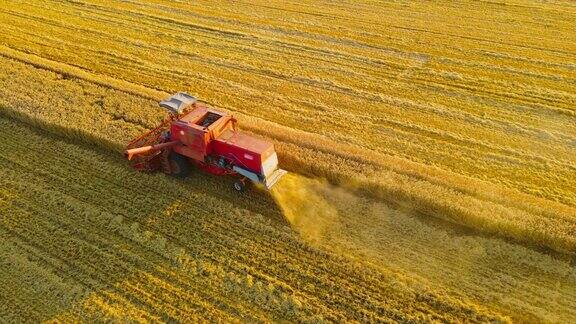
(196, 134)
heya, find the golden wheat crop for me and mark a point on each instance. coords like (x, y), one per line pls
(444, 131)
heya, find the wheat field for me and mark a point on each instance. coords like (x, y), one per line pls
(431, 149)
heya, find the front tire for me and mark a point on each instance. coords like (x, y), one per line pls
(179, 166)
(240, 185)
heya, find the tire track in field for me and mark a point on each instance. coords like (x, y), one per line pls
(567, 54)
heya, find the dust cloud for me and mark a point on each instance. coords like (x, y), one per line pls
(333, 218)
(305, 208)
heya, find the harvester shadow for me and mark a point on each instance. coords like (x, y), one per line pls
(254, 199)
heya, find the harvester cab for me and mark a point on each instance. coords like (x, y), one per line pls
(195, 134)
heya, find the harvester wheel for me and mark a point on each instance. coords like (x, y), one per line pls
(240, 185)
(179, 165)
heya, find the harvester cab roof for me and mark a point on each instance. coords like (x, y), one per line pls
(178, 103)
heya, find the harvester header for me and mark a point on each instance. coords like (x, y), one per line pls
(195, 134)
